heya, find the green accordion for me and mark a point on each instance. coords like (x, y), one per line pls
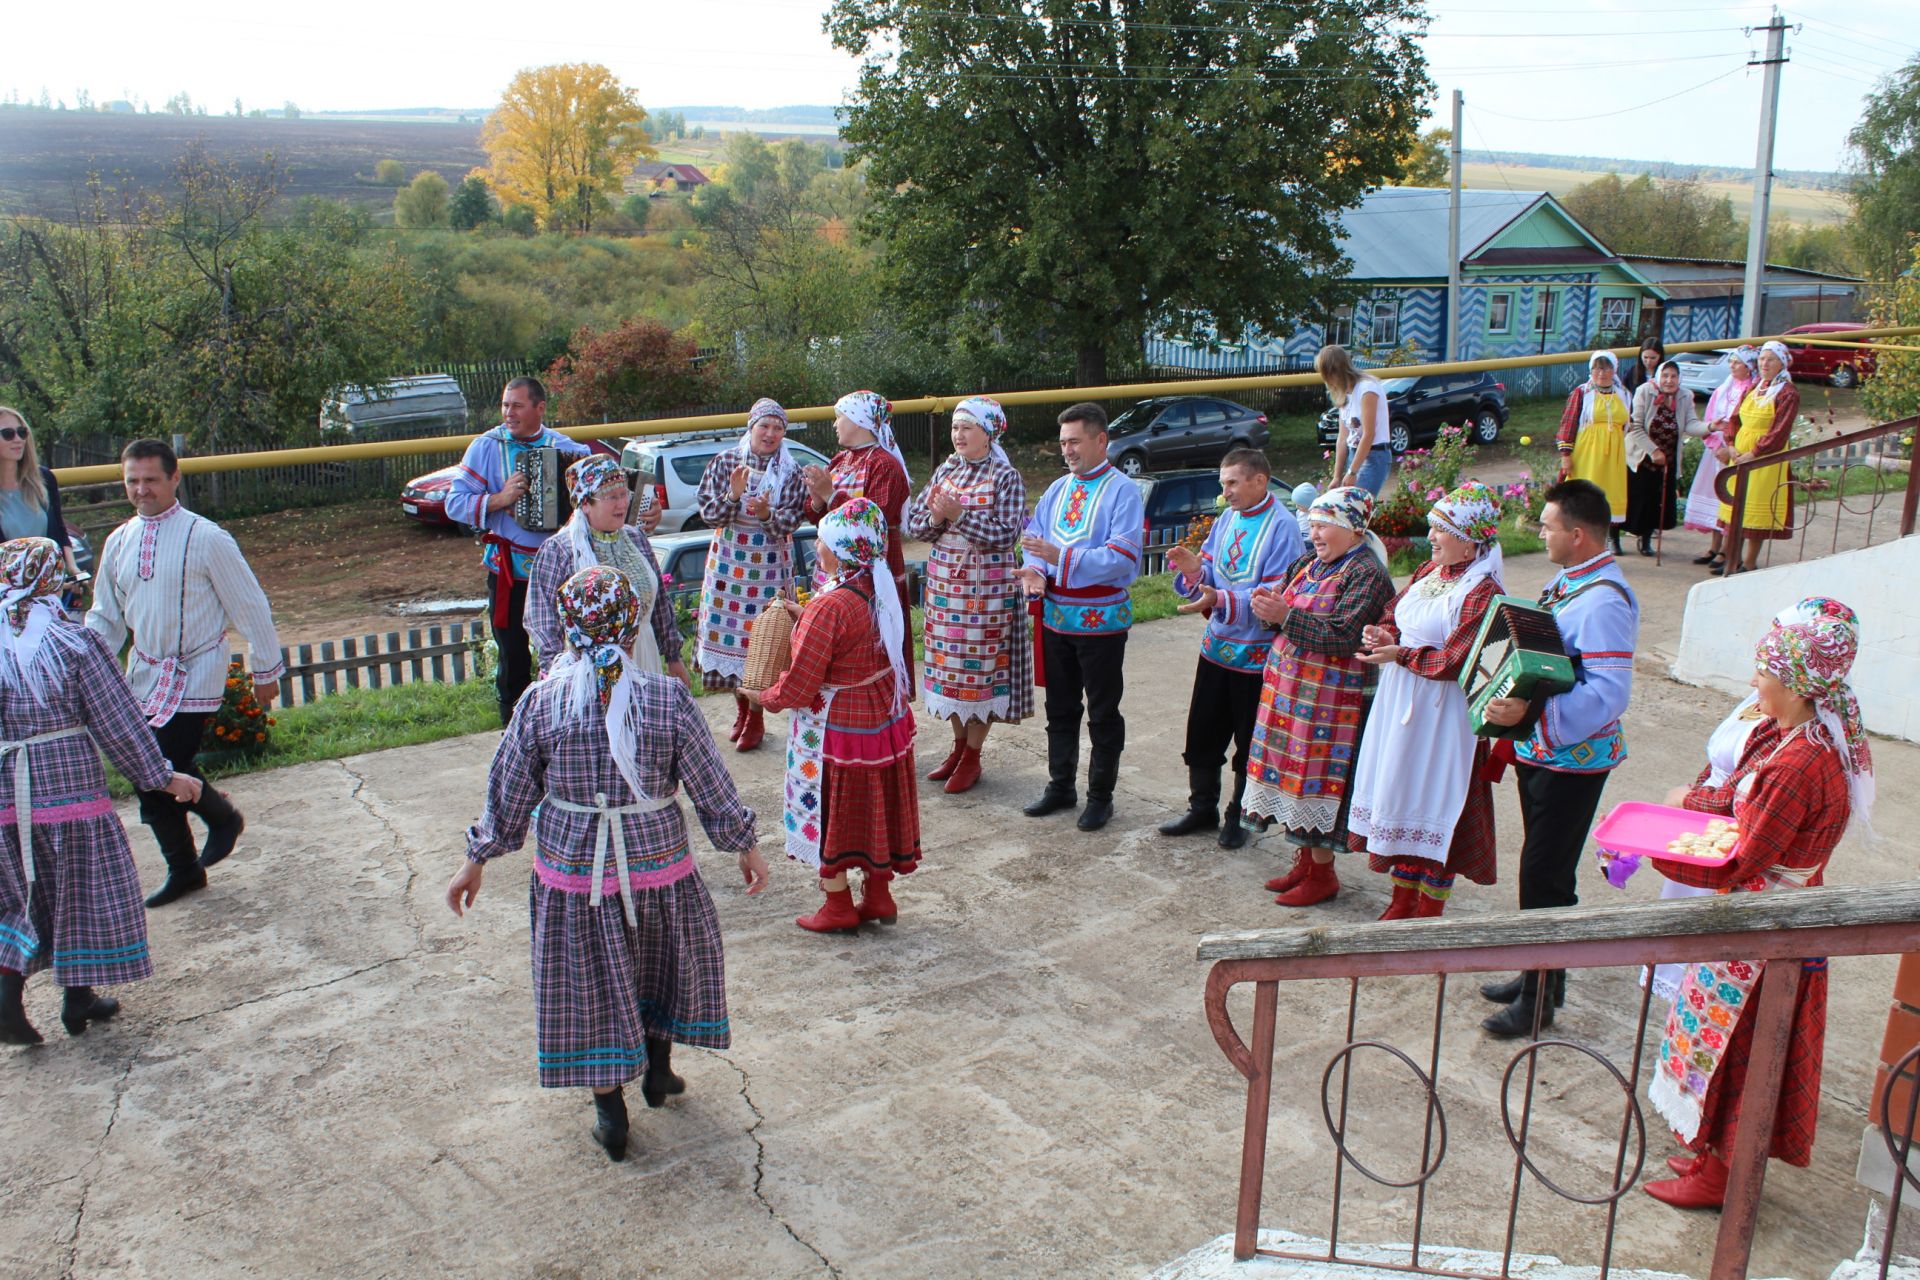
(1519, 653)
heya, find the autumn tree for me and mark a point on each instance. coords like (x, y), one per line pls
(562, 141)
(1428, 162)
(1673, 218)
(640, 367)
(423, 202)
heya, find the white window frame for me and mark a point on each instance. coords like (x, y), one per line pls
(1626, 308)
(1387, 309)
(1340, 326)
(1505, 300)
(1546, 312)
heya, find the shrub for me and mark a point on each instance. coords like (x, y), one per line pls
(241, 724)
(390, 173)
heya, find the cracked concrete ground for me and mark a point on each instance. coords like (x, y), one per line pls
(333, 1076)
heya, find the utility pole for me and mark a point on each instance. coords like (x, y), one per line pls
(1750, 304)
(1453, 238)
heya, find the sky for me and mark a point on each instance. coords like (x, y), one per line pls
(1629, 78)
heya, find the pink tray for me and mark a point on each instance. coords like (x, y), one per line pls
(1647, 829)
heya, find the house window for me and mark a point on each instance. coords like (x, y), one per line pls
(1386, 322)
(1340, 326)
(1546, 312)
(1500, 313)
(1616, 316)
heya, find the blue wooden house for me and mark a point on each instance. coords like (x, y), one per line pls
(1532, 280)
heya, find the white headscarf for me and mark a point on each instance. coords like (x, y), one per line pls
(1778, 350)
(870, 409)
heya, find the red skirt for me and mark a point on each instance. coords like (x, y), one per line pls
(869, 796)
(1799, 1111)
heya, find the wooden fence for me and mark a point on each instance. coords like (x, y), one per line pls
(436, 655)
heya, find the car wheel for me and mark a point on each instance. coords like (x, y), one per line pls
(1843, 377)
(1486, 427)
(1133, 463)
(1399, 436)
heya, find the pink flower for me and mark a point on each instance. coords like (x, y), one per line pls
(1434, 495)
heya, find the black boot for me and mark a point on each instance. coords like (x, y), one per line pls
(1203, 803)
(224, 824)
(81, 1006)
(1102, 774)
(1508, 991)
(185, 875)
(660, 1083)
(1517, 1018)
(1646, 544)
(1063, 762)
(610, 1129)
(1616, 539)
(14, 1027)
(1232, 834)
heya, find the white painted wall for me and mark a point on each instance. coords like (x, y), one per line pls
(1726, 617)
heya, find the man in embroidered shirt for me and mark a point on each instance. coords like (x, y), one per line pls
(1562, 766)
(482, 495)
(1250, 546)
(175, 580)
(1082, 554)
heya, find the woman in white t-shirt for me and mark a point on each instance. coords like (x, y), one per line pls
(1362, 456)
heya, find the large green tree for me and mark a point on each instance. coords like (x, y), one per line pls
(1062, 175)
(1885, 154)
(1673, 218)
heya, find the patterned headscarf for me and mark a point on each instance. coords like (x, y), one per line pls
(856, 532)
(30, 570)
(31, 575)
(591, 474)
(1778, 350)
(1812, 659)
(870, 409)
(1472, 512)
(992, 419)
(782, 464)
(1349, 507)
(1818, 609)
(601, 614)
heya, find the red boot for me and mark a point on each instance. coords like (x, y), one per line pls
(1404, 903)
(1683, 1165)
(754, 730)
(944, 770)
(1294, 875)
(966, 773)
(1319, 884)
(1704, 1188)
(740, 708)
(836, 915)
(1427, 907)
(876, 900)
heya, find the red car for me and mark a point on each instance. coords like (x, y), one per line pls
(1840, 366)
(424, 498)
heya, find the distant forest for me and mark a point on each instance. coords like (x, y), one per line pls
(1659, 169)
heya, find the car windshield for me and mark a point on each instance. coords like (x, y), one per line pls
(1395, 386)
(1139, 415)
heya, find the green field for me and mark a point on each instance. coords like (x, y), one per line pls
(1795, 204)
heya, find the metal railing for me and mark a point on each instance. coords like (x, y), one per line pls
(1806, 495)
(1785, 929)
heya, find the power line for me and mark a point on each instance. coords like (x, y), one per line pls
(1603, 115)
(1878, 36)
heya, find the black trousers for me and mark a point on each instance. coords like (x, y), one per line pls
(1085, 674)
(1225, 705)
(179, 740)
(515, 671)
(1556, 812)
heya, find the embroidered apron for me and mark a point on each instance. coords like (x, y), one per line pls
(747, 568)
(807, 770)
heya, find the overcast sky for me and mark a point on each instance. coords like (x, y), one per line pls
(1562, 76)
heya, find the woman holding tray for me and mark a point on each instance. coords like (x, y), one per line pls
(1803, 774)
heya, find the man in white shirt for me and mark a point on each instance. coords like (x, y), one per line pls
(173, 580)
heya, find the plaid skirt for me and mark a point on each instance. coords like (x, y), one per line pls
(85, 918)
(601, 988)
(1305, 739)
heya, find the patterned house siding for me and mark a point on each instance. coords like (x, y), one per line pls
(1701, 321)
(1423, 314)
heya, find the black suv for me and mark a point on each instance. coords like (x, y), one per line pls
(1172, 499)
(1418, 407)
(1182, 430)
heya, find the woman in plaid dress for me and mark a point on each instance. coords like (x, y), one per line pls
(69, 892)
(626, 945)
(1313, 696)
(978, 667)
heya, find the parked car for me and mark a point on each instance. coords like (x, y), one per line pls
(1841, 366)
(1702, 372)
(1181, 429)
(683, 560)
(1173, 498)
(428, 405)
(424, 498)
(1418, 407)
(673, 465)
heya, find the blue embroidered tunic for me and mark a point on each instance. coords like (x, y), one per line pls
(1579, 731)
(1244, 550)
(1097, 520)
(484, 470)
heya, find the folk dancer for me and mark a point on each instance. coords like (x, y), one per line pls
(852, 802)
(1766, 415)
(69, 892)
(753, 497)
(1249, 547)
(625, 942)
(1314, 690)
(869, 465)
(1593, 437)
(1803, 775)
(175, 580)
(598, 533)
(1422, 807)
(1082, 549)
(1663, 416)
(1722, 424)
(485, 487)
(1562, 766)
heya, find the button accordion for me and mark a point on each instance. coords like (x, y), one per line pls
(544, 507)
(1519, 653)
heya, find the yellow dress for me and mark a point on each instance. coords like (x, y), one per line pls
(1600, 450)
(1767, 494)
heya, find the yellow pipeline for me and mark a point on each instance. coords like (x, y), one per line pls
(206, 464)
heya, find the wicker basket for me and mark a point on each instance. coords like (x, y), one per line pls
(769, 647)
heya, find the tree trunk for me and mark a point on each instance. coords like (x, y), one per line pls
(1090, 365)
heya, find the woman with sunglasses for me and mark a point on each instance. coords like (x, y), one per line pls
(29, 495)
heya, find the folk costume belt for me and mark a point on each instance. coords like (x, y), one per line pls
(171, 687)
(23, 787)
(608, 828)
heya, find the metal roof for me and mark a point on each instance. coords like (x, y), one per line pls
(1400, 233)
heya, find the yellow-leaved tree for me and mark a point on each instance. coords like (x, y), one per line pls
(562, 141)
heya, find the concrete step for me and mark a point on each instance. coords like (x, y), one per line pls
(1214, 1261)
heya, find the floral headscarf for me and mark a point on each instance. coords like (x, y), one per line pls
(31, 575)
(1817, 609)
(591, 474)
(1349, 507)
(1812, 659)
(992, 419)
(30, 570)
(856, 532)
(782, 465)
(601, 614)
(870, 409)
(1472, 512)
